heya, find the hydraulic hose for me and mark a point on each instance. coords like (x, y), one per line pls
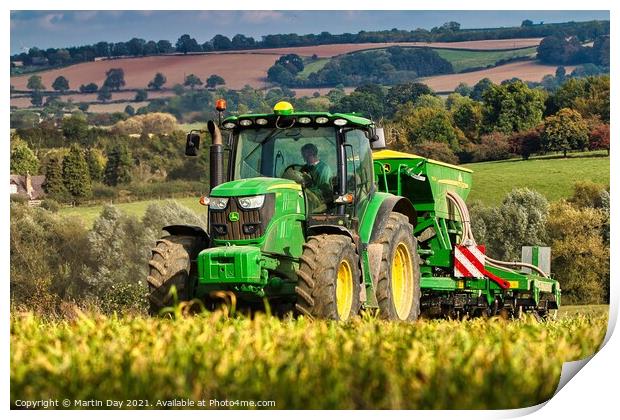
(467, 237)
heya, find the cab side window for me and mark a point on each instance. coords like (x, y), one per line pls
(359, 165)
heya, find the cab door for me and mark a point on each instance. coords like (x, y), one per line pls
(359, 171)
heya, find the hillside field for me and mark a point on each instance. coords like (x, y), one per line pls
(240, 68)
(552, 176)
(464, 59)
(529, 70)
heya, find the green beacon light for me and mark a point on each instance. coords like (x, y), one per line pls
(283, 108)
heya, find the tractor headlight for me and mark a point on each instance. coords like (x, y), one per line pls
(253, 202)
(218, 203)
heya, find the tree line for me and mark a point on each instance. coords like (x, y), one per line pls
(388, 66)
(448, 32)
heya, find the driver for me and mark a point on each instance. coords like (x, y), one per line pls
(320, 174)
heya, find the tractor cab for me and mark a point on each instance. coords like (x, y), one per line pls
(328, 155)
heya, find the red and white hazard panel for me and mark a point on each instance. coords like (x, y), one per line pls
(469, 261)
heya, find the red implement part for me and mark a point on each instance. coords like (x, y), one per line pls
(500, 282)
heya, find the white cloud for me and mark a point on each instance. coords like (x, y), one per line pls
(260, 16)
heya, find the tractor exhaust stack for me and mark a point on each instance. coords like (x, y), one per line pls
(216, 156)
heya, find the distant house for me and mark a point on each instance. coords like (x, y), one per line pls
(28, 186)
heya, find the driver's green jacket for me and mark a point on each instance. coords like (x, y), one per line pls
(321, 176)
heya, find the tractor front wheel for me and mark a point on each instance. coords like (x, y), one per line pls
(398, 285)
(170, 265)
(328, 278)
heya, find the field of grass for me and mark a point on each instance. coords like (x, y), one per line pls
(312, 67)
(463, 60)
(297, 363)
(552, 176)
(136, 208)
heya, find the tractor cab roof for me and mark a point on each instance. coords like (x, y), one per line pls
(285, 116)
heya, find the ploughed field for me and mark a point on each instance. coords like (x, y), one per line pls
(239, 68)
(298, 363)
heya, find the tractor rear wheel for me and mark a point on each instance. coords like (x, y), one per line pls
(170, 265)
(398, 285)
(329, 276)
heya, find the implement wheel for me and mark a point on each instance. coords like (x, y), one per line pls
(329, 276)
(170, 265)
(398, 285)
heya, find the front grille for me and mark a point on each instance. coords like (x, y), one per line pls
(251, 224)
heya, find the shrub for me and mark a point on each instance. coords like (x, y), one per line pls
(47, 251)
(118, 249)
(599, 138)
(518, 221)
(526, 143)
(579, 257)
(153, 123)
(51, 205)
(493, 146)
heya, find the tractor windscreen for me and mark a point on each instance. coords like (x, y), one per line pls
(275, 152)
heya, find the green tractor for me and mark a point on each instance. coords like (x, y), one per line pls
(304, 218)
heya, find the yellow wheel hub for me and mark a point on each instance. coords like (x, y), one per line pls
(402, 281)
(344, 290)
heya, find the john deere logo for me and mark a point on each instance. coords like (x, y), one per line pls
(233, 216)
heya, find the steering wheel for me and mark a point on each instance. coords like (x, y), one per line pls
(294, 172)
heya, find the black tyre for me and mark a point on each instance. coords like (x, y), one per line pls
(329, 278)
(170, 265)
(398, 285)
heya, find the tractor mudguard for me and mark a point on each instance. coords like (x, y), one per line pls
(187, 230)
(330, 229)
(391, 204)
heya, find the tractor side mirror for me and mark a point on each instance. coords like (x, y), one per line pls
(377, 141)
(192, 144)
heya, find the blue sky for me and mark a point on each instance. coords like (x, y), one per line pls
(45, 29)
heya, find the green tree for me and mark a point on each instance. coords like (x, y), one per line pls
(192, 80)
(407, 92)
(115, 79)
(429, 124)
(580, 257)
(60, 84)
(23, 160)
(141, 95)
(36, 98)
(158, 81)
(463, 89)
(129, 110)
(35, 83)
(54, 184)
(512, 107)
(95, 166)
(75, 128)
(89, 88)
(75, 173)
(429, 101)
(466, 114)
(187, 44)
(480, 88)
(518, 221)
(104, 94)
(214, 80)
(118, 167)
(565, 131)
(83, 107)
(221, 42)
